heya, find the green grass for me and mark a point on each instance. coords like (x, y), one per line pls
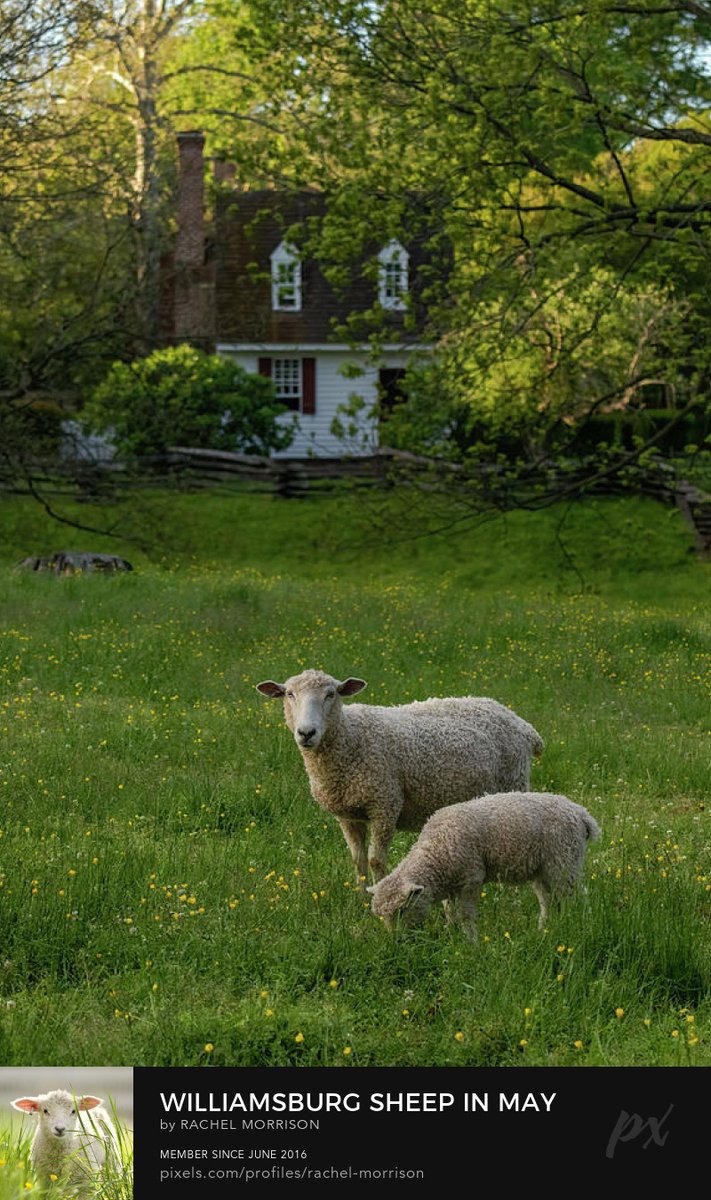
(171, 894)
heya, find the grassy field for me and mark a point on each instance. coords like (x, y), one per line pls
(171, 894)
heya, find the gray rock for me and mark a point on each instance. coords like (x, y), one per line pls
(70, 562)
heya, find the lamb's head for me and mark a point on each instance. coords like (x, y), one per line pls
(310, 699)
(57, 1111)
(398, 899)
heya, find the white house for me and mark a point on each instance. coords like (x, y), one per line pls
(247, 292)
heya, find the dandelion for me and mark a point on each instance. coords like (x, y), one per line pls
(675, 1033)
(299, 1038)
(523, 1043)
(693, 1041)
(619, 1012)
(263, 995)
(269, 1012)
(527, 1012)
(647, 1021)
(208, 1047)
(459, 1036)
(333, 983)
(578, 1045)
(346, 1050)
(54, 1177)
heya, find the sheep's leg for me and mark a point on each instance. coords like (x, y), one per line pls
(381, 835)
(543, 892)
(354, 833)
(466, 910)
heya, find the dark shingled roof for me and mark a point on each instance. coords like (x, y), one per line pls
(248, 227)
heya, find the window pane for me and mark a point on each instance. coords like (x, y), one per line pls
(286, 280)
(287, 381)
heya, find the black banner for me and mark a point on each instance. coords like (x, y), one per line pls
(202, 1132)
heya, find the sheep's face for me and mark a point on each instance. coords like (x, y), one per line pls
(400, 902)
(57, 1111)
(309, 701)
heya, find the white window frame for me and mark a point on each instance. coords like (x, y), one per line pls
(288, 379)
(394, 262)
(286, 278)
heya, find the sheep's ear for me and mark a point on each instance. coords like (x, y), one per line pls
(351, 687)
(271, 689)
(26, 1104)
(89, 1102)
(412, 893)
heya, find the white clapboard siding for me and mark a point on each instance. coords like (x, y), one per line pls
(333, 388)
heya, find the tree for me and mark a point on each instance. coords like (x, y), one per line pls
(559, 149)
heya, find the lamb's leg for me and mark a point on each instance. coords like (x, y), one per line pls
(354, 833)
(543, 892)
(466, 909)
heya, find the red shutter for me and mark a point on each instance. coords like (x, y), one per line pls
(308, 385)
(265, 367)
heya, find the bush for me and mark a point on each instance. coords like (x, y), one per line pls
(623, 429)
(182, 396)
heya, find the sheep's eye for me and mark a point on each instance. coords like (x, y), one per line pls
(330, 694)
(73, 1112)
(45, 1111)
(290, 695)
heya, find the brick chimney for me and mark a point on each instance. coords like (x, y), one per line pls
(190, 241)
(193, 303)
(224, 172)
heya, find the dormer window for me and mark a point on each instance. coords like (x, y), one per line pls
(394, 261)
(286, 279)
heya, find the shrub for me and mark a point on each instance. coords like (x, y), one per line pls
(182, 396)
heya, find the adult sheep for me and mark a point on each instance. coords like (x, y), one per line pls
(75, 1138)
(390, 768)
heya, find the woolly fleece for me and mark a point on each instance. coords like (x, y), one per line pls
(521, 837)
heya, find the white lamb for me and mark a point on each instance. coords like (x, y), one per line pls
(391, 767)
(69, 1145)
(516, 837)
